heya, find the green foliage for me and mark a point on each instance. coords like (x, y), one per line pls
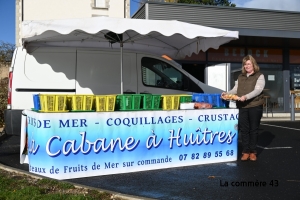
(18, 186)
(54, 183)
(3, 99)
(6, 52)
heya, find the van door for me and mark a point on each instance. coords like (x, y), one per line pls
(43, 70)
(158, 76)
(99, 72)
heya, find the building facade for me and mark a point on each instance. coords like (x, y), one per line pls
(272, 37)
(66, 9)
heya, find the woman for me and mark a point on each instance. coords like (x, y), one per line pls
(250, 100)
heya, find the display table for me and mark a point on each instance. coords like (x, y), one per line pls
(82, 144)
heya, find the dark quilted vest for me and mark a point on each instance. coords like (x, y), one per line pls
(245, 86)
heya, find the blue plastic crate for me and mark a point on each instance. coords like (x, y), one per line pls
(36, 102)
(198, 97)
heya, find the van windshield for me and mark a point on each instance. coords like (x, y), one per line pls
(158, 73)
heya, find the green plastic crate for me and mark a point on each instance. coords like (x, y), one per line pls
(146, 101)
(127, 102)
(156, 102)
(185, 98)
(136, 101)
(124, 102)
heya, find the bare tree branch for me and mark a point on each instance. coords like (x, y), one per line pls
(6, 52)
(201, 2)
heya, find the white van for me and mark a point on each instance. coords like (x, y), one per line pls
(67, 70)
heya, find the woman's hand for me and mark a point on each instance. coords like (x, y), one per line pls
(223, 95)
(242, 98)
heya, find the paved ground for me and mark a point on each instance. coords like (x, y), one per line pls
(276, 172)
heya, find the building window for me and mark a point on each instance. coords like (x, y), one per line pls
(100, 4)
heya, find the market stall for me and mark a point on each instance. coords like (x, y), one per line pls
(65, 145)
(72, 145)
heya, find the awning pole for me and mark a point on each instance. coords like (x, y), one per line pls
(121, 45)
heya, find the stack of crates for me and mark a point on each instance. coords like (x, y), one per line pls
(124, 102)
(146, 101)
(127, 102)
(185, 98)
(156, 102)
(105, 103)
(53, 103)
(214, 99)
(136, 101)
(150, 101)
(36, 102)
(88, 101)
(170, 102)
(80, 102)
(199, 97)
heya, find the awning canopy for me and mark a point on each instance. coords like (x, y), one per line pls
(173, 38)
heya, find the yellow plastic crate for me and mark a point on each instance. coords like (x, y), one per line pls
(75, 102)
(170, 102)
(88, 102)
(176, 102)
(100, 103)
(105, 103)
(60, 103)
(47, 102)
(80, 102)
(53, 103)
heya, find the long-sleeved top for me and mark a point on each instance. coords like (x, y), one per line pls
(260, 84)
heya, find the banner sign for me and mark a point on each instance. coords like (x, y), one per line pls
(295, 77)
(73, 145)
(236, 54)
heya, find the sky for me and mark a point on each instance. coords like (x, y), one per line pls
(7, 12)
(7, 21)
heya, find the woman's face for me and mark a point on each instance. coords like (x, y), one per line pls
(249, 67)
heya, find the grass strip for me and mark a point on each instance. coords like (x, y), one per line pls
(19, 186)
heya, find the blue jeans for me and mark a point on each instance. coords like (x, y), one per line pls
(249, 121)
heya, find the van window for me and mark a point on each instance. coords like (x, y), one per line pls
(157, 73)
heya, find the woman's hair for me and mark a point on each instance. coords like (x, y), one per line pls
(254, 63)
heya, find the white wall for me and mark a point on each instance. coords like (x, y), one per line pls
(66, 9)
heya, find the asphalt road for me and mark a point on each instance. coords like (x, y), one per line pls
(275, 175)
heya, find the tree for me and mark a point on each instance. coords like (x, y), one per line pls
(6, 52)
(201, 2)
(209, 2)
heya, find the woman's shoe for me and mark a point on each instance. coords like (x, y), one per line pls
(245, 156)
(253, 157)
